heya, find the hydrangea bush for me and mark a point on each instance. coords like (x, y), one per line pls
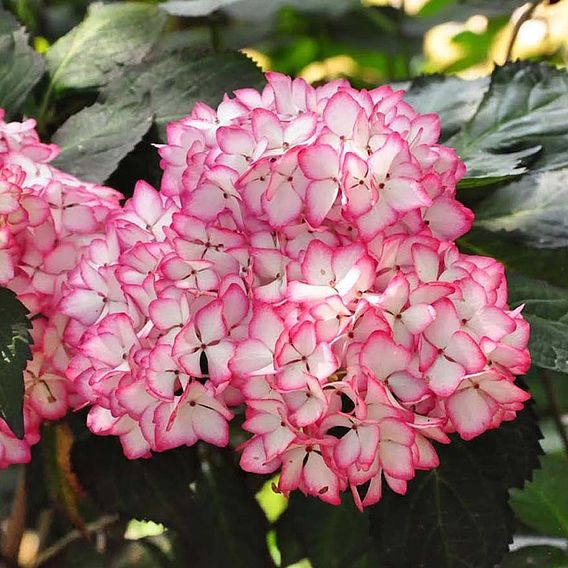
(276, 321)
(298, 261)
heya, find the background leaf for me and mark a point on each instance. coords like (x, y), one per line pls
(164, 88)
(227, 527)
(457, 515)
(154, 489)
(451, 517)
(205, 500)
(97, 138)
(546, 310)
(512, 250)
(174, 81)
(15, 341)
(20, 66)
(524, 113)
(443, 10)
(111, 36)
(543, 504)
(454, 99)
(535, 207)
(509, 455)
(8, 23)
(331, 537)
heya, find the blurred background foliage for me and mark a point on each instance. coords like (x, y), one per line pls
(366, 41)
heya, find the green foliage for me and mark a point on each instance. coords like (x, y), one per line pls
(560, 385)
(546, 309)
(204, 498)
(522, 119)
(226, 525)
(550, 265)
(21, 67)
(457, 514)
(535, 208)
(336, 537)
(15, 341)
(453, 516)
(169, 84)
(123, 486)
(111, 36)
(195, 8)
(463, 9)
(455, 100)
(475, 46)
(450, 517)
(373, 40)
(161, 89)
(97, 138)
(543, 504)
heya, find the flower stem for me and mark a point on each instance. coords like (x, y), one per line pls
(12, 538)
(524, 17)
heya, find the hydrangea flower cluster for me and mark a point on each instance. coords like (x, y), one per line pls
(47, 220)
(298, 263)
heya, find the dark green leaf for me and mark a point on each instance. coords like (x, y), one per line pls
(455, 100)
(117, 553)
(291, 548)
(9, 479)
(535, 208)
(331, 537)
(110, 37)
(523, 114)
(227, 526)
(367, 31)
(485, 168)
(451, 517)
(176, 81)
(15, 341)
(536, 557)
(142, 163)
(20, 66)
(457, 515)
(539, 298)
(207, 504)
(546, 309)
(97, 138)
(156, 489)
(509, 455)
(543, 504)
(552, 442)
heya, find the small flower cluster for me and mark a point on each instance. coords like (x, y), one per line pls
(47, 219)
(297, 262)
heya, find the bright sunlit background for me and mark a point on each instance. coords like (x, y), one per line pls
(441, 37)
(367, 41)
